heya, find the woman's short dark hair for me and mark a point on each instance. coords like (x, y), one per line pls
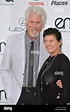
(53, 31)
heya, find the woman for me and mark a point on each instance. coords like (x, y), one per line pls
(54, 71)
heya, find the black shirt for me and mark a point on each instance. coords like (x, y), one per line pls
(53, 69)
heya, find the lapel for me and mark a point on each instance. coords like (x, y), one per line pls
(21, 47)
(43, 53)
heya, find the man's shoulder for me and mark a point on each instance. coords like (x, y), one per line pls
(15, 36)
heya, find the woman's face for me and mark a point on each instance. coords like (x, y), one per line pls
(52, 45)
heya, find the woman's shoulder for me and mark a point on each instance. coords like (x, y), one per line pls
(63, 57)
(62, 60)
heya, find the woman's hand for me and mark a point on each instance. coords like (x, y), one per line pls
(59, 83)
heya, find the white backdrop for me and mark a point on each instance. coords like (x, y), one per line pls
(12, 22)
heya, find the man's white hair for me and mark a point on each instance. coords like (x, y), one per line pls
(37, 11)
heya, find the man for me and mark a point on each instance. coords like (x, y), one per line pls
(15, 64)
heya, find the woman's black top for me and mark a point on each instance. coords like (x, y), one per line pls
(53, 69)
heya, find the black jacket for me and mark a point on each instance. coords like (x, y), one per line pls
(53, 69)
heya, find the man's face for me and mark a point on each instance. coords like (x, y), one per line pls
(34, 25)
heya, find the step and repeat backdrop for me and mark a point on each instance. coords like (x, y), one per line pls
(12, 22)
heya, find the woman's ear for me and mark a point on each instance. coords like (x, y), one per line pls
(60, 42)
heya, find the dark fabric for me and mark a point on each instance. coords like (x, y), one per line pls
(31, 63)
(59, 70)
(27, 97)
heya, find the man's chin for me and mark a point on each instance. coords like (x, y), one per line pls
(34, 35)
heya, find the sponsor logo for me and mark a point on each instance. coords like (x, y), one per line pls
(36, 3)
(22, 26)
(62, 23)
(21, 21)
(3, 97)
(2, 91)
(54, 2)
(6, 2)
(9, 0)
(2, 46)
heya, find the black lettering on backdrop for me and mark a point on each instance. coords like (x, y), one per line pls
(17, 29)
(2, 43)
(21, 22)
(61, 23)
(9, 0)
(2, 91)
(54, 2)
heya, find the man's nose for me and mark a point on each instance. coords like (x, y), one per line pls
(34, 24)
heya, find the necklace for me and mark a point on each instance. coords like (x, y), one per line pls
(47, 67)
